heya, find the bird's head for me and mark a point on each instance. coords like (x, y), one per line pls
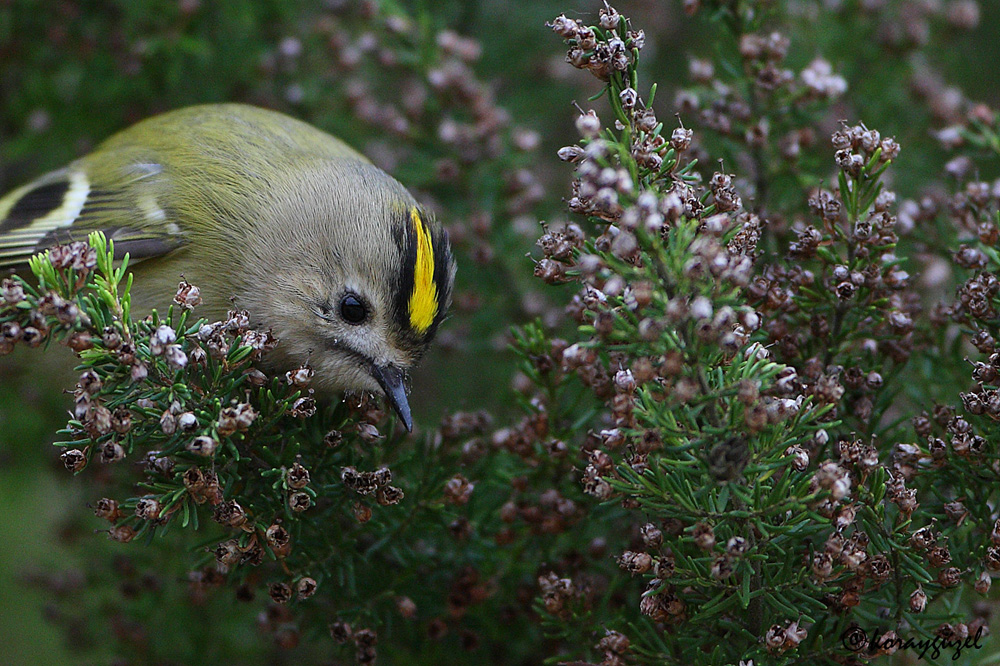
(368, 281)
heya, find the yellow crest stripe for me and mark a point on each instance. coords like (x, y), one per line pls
(423, 305)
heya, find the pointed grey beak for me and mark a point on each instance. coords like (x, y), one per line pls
(391, 379)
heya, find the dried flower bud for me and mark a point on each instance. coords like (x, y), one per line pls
(297, 477)
(822, 566)
(614, 643)
(609, 18)
(202, 446)
(111, 452)
(365, 641)
(279, 540)
(187, 421)
(280, 593)
(651, 535)
(228, 553)
(235, 419)
(74, 460)
(388, 495)
(340, 632)
(121, 533)
(628, 98)
(305, 587)
(737, 546)
(299, 502)
(939, 556)
(645, 121)
(956, 511)
(255, 377)
(32, 336)
(168, 423)
(566, 28)
(230, 513)
(107, 509)
(188, 296)
(121, 420)
(722, 567)
(303, 407)
(831, 476)
(161, 338)
(458, 490)
(90, 382)
(570, 153)
(11, 292)
(362, 513)
(147, 509)
(589, 125)
(794, 635)
(704, 536)
(300, 377)
(774, 639)
(950, 577)
(923, 538)
(800, 459)
(635, 563)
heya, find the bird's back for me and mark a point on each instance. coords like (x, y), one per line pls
(146, 185)
(227, 132)
(191, 173)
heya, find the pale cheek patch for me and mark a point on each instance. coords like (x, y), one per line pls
(423, 304)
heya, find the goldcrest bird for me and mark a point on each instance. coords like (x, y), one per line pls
(267, 212)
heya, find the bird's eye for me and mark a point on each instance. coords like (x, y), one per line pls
(352, 309)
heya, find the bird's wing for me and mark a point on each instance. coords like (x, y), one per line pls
(91, 194)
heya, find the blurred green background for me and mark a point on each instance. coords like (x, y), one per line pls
(73, 72)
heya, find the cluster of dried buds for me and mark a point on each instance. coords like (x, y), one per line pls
(50, 314)
(468, 588)
(857, 146)
(216, 338)
(548, 513)
(601, 53)
(451, 79)
(779, 639)
(613, 645)
(972, 211)
(563, 596)
(301, 589)
(375, 483)
(763, 56)
(803, 336)
(367, 413)
(300, 495)
(725, 108)
(97, 421)
(364, 640)
(661, 603)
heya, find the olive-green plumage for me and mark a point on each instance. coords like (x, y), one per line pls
(265, 212)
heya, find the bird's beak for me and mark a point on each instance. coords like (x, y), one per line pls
(392, 379)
